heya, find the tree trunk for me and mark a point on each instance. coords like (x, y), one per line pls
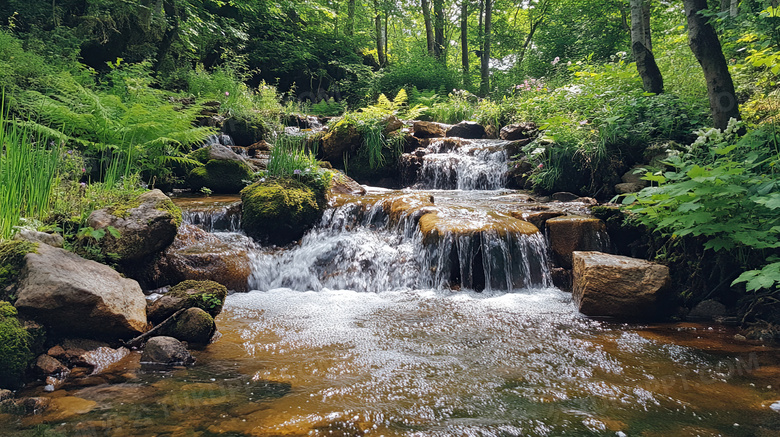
(350, 31)
(734, 8)
(705, 45)
(464, 42)
(652, 81)
(380, 37)
(426, 9)
(438, 26)
(484, 85)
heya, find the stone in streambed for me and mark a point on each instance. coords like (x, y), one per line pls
(146, 225)
(518, 131)
(429, 129)
(617, 286)
(194, 326)
(468, 130)
(77, 297)
(280, 211)
(166, 351)
(206, 295)
(574, 233)
(198, 255)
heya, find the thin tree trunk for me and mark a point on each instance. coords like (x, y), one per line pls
(464, 42)
(484, 85)
(704, 43)
(426, 9)
(652, 81)
(380, 41)
(386, 35)
(350, 31)
(734, 8)
(438, 26)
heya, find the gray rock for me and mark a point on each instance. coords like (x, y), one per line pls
(617, 286)
(565, 196)
(77, 297)
(223, 153)
(630, 187)
(53, 240)
(468, 130)
(47, 365)
(167, 351)
(707, 310)
(6, 394)
(146, 225)
(518, 131)
(635, 175)
(429, 129)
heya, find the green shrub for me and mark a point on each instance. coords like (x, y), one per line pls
(724, 190)
(12, 254)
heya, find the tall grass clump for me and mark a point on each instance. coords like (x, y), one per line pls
(28, 168)
(295, 157)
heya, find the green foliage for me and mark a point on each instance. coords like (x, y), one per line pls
(295, 157)
(725, 189)
(328, 108)
(28, 168)
(220, 176)
(423, 73)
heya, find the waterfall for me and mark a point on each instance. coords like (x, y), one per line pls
(449, 164)
(366, 248)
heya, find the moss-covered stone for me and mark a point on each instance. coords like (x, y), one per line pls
(11, 260)
(280, 211)
(206, 295)
(194, 326)
(220, 176)
(15, 352)
(146, 224)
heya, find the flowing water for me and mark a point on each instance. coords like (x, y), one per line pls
(371, 326)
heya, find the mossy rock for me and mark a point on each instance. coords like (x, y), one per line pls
(15, 352)
(280, 211)
(206, 295)
(220, 176)
(11, 261)
(194, 326)
(146, 224)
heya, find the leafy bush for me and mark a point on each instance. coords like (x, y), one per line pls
(725, 189)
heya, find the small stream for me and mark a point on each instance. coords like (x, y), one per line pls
(371, 327)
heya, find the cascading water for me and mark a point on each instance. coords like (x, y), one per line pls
(449, 164)
(376, 248)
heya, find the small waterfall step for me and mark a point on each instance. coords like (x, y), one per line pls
(456, 164)
(216, 213)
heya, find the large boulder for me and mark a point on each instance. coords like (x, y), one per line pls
(342, 138)
(225, 172)
(575, 233)
(198, 255)
(429, 129)
(77, 297)
(518, 131)
(15, 351)
(166, 351)
(194, 326)
(468, 130)
(280, 211)
(206, 295)
(617, 286)
(146, 225)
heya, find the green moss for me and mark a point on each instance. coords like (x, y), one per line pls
(202, 155)
(122, 210)
(11, 260)
(220, 176)
(15, 352)
(206, 295)
(168, 206)
(280, 211)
